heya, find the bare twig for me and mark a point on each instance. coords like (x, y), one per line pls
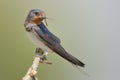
(32, 71)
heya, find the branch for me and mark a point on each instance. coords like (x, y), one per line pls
(40, 57)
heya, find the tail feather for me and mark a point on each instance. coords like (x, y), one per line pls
(60, 51)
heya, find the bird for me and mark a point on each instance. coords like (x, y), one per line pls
(41, 36)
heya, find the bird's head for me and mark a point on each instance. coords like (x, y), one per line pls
(35, 16)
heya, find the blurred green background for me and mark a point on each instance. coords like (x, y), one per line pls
(89, 30)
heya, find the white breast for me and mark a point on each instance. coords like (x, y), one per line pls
(37, 41)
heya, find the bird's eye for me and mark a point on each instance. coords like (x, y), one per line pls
(36, 13)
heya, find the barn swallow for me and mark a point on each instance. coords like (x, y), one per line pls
(43, 38)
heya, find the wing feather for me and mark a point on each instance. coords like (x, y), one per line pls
(54, 43)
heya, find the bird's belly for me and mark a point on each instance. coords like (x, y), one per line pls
(37, 41)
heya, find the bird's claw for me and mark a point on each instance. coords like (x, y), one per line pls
(46, 62)
(42, 56)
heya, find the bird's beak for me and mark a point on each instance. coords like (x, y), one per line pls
(44, 17)
(38, 19)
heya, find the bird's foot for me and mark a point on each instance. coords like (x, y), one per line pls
(42, 55)
(46, 62)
